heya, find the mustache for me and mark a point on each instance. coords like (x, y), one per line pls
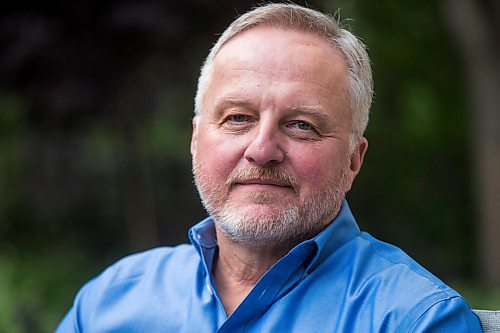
(268, 173)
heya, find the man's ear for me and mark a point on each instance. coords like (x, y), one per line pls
(194, 135)
(358, 156)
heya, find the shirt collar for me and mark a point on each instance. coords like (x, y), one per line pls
(339, 232)
(203, 234)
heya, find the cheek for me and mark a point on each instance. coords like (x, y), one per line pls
(217, 156)
(308, 166)
(317, 166)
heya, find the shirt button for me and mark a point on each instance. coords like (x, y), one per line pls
(210, 289)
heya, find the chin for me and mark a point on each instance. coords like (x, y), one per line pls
(262, 225)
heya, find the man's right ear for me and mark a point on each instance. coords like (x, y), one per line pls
(194, 134)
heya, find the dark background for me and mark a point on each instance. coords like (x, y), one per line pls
(96, 101)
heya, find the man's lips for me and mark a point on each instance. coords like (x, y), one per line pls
(269, 182)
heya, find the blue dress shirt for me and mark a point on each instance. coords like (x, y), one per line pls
(342, 280)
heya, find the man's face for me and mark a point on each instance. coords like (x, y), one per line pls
(270, 148)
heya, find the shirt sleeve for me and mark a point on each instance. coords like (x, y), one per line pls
(82, 304)
(68, 324)
(451, 315)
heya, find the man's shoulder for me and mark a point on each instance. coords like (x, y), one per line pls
(134, 282)
(400, 273)
(147, 262)
(139, 268)
(410, 289)
(380, 278)
(390, 258)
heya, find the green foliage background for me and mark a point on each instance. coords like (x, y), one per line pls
(94, 141)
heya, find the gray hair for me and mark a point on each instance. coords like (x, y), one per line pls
(360, 81)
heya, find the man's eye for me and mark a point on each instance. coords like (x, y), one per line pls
(302, 125)
(238, 118)
(302, 130)
(237, 122)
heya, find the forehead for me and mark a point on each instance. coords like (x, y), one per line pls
(281, 64)
(283, 49)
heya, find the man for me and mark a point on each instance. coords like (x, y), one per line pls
(280, 112)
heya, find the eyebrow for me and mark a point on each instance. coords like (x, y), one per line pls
(312, 111)
(226, 102)
(232, 101)
(305, 110)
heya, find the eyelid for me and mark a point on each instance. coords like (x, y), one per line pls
(231, 115)
(310, 124)
(228, 122)
(301, 121)
(311, 134)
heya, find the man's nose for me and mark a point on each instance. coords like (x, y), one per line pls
(265, 148)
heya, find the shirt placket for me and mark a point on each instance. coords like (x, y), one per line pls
(263, 295)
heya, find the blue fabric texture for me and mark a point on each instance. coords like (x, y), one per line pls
(342, 280)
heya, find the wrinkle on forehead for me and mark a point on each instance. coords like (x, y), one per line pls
(284, 55)
(266, 65)
(293, 44)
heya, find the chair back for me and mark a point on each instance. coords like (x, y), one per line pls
(490, 320)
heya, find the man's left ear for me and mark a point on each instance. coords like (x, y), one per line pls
(358, 155)
(194, 135)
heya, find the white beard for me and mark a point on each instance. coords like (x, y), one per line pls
(266, 224)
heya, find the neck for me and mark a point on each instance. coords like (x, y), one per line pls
(237, 268)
